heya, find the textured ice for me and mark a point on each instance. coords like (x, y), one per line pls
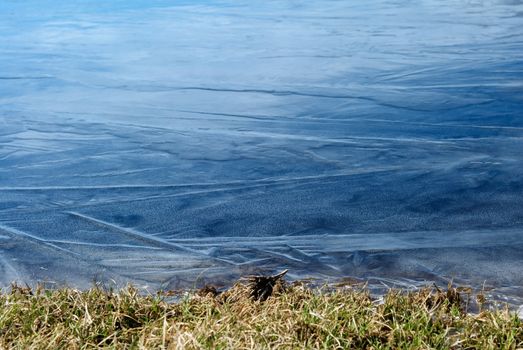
(172, 143)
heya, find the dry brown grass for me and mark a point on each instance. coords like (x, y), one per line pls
(293, 317)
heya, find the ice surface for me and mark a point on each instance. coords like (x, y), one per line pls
(173, 143)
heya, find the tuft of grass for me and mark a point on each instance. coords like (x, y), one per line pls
(294, 316)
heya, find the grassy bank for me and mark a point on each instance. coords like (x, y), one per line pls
(293, 317)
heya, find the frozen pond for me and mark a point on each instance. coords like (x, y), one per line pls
(172, 143)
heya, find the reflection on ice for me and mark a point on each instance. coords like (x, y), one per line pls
(170, 143)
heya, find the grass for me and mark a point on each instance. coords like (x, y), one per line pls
(295, 316)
